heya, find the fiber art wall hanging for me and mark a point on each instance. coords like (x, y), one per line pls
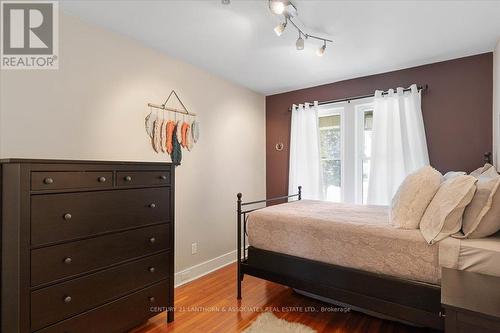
(171, 130)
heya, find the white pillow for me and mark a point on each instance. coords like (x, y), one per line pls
(452, 174)
(413, 196)
(443, 216)
(482, 215)
(476, 173)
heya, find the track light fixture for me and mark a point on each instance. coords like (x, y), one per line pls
(280, 27)
(289, 11)
(300, 42)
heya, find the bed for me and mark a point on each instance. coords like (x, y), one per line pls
(353, 256)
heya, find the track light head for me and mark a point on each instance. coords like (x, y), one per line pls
(277, 6)
(300, 42)
(280, 28)
(321, 50)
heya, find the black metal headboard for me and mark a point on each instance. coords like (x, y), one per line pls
(488, 157)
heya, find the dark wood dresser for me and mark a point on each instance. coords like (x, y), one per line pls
(86, 246)
(471, 302)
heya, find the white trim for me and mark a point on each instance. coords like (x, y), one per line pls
(360, 110)
(348, 147)
(359, 129)
(194, 272)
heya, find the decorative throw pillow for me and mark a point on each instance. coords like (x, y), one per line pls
(476, 173)
(443, 216)
(413, 197)
(482, 215)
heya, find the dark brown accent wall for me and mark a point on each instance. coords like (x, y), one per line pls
(457, 110)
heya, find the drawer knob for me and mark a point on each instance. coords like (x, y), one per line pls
(152, 240)
(163, 177)
(67, 216)
(152, 269)
(151, 299)
(67, 260)
(127, 178)
(67, 299)
(152, 205)
(48, 180)
(101, 179)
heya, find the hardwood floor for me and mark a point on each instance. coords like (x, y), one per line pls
(209, 305)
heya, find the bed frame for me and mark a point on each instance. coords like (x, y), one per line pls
(404, 300)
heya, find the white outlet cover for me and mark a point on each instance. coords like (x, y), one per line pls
(194, 248)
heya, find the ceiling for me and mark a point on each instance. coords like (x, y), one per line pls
(237, 41)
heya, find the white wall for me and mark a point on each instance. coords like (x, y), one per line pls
(94, 106)
(496, 104)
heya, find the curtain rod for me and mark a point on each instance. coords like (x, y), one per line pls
(348, 99)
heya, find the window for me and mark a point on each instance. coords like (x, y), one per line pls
(330, 154)
(345, 149)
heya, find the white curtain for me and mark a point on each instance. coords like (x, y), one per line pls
(305, 166)
(399, 146)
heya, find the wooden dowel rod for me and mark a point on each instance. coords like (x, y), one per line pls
(162, 107)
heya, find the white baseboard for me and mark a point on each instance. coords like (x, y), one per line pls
(197, 271)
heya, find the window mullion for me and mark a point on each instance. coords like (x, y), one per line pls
(348, 154)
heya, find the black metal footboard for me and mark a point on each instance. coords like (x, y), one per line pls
(242, 216)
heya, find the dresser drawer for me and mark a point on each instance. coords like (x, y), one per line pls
(59, 180)
(137, 178)
(52, 304)
(117, 316)
(60, 261)
(464, 321)
(65, 216)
